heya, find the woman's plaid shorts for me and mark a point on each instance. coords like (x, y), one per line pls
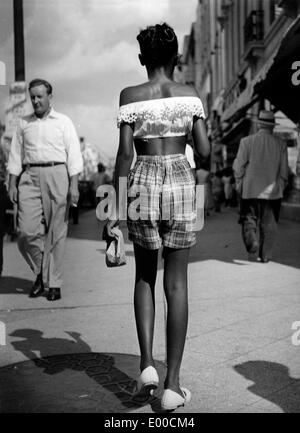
(161, 202)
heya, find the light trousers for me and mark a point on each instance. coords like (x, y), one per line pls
(43, 220)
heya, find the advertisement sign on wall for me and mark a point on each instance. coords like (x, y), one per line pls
(17, 106)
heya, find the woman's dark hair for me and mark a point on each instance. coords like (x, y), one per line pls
(39, 82)
(158, 44)
(101, 167)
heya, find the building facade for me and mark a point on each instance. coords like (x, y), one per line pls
(232, 56)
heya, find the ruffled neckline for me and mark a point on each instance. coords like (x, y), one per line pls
(169, 98)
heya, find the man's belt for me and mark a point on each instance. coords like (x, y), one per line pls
(42, 164)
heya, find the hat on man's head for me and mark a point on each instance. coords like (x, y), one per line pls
(266, 117)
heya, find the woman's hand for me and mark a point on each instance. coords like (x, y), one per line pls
(107, 231)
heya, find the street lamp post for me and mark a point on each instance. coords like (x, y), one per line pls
(17, 90)
(19, 41)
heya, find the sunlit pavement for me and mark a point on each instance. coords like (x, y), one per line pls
(80, 354)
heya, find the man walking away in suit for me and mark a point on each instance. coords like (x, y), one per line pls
(261, 173)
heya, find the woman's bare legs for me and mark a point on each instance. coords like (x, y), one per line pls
(175, 287)
(144, 301)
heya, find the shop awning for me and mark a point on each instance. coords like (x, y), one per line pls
(240, 105)
(275, 83)
(237, 131)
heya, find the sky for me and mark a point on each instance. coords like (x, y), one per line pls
(87, 49)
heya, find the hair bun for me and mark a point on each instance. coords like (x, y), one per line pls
(169, 34)
(158, 43)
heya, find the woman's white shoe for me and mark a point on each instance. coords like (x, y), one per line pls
(171, 400)
(148, 380)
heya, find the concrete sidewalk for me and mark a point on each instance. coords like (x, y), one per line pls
(80, 354)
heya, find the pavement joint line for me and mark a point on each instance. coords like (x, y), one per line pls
(243, 353)
(130, 304)
(222, 328)
(263, 313)
(272, 341)
(64, 308)
(8, 310)
(276, 340)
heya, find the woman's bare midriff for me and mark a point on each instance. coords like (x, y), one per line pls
(160, 146)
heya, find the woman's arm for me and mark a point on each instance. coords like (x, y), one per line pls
(123, 163)
(122, 166)
(200, 139)
(201, 142)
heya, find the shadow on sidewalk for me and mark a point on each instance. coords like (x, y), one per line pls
(14, 285)
(272, 382)
(69, 377)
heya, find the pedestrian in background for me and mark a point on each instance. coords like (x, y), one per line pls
(227, 175)
(261, 172)
(203, 177)
(44, 163)
(156, 117)
(217, 189)
(99, 178)
(3, 201)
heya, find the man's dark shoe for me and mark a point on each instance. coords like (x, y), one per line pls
(37, 288)
(264, 259)
(53, 294)
(252, 257)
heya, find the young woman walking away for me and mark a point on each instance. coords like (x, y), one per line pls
(156, 117)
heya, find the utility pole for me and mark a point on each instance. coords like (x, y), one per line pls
(19, 41)
(17, 90)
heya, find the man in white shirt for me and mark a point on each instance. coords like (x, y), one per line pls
(261, 173)
(43, 166)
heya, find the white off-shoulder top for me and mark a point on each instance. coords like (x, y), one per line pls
(165, 117)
